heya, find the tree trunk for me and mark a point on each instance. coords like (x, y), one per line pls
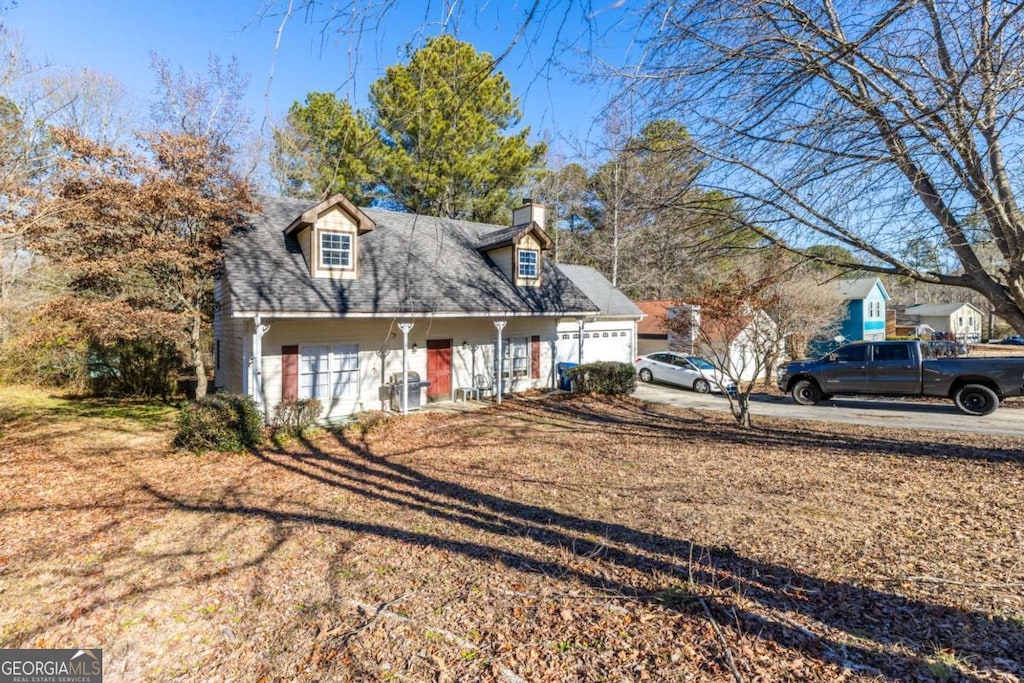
(739, 406)
(196, 352)
(743, 400)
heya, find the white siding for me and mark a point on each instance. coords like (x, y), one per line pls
(503, 259)
(227, 345)
(965, 323)
(476, 357)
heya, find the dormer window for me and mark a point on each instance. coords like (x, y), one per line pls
(518, 250)
(328, 235)
(335, 250)
(528, 259)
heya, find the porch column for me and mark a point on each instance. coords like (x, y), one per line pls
(500, 325)
(258, 395)
(580, 324)
(405, 327)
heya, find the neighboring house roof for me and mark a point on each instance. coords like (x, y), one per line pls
(407, 264)
(654, 311)
(657, 311)
(938, 309)
(726, 331)
(860, 288)
(610, 301)
(902, 317)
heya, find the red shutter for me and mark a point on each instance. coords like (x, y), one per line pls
(289, 373)
(535, 357)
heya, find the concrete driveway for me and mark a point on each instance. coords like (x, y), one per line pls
(881, 412)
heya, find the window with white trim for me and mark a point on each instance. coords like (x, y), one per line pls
(528, 260)
(335, 249)
(328, 371)
(516, 362)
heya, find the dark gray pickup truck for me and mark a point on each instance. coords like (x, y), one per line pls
(898, 368)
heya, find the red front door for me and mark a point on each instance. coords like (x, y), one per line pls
(439, 369)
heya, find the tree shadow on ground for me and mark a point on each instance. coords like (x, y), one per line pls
(911, 632)
(862, 629)
(659, 421)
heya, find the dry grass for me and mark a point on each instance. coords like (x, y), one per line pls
(547, 540)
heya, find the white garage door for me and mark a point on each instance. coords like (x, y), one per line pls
(567, 347)
(611, 345)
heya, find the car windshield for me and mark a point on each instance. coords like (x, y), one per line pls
(700, 363)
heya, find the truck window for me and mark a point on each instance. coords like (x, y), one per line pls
(852, 354)
(892, 352)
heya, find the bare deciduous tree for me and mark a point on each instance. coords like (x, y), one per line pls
(870, 124)
(727, 323)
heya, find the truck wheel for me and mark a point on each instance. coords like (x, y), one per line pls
(976, 399)
(806, 392)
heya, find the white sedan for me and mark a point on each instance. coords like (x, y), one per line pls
(692, 372)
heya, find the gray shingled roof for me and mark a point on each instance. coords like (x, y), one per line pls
(937, 309)
(599, 290)
(859, 288)
(407, 264)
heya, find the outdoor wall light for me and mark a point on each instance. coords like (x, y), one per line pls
(415, 347)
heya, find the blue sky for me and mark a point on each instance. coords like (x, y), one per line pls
(115, 37)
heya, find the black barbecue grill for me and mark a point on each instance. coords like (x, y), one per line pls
(394, 388)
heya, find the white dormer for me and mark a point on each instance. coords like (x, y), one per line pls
(328, 234)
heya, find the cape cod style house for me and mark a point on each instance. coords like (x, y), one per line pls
(326, 300)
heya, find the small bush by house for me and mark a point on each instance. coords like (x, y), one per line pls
(604, 377)
(295, 418)
(221, 422)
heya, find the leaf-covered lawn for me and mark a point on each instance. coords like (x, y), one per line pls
(545, 540)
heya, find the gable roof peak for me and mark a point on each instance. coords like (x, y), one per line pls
(308, 217)
(860, 288)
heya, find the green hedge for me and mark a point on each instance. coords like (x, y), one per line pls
(604, 377)
(221, 422)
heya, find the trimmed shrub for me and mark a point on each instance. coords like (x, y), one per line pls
(604, 377)
(221, 422)
(294, 418)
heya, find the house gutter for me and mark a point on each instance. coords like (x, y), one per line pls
(396, 314)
